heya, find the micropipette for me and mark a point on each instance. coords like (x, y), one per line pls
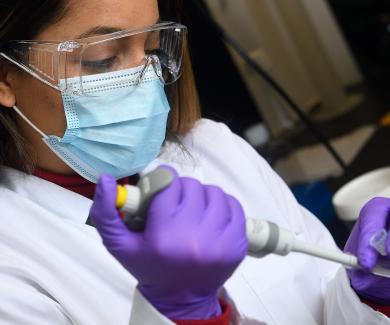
(264, 237)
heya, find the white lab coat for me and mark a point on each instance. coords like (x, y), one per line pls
(55, 270)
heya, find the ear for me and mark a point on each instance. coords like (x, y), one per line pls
(7, 95)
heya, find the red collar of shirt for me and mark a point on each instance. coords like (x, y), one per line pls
(384, 309)
(77, 183)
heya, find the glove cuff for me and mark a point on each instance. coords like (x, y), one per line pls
(187, 309)
(223, 319)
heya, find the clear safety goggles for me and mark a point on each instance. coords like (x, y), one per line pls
(61, 65)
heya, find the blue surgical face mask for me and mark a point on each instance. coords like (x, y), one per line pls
(117, 128)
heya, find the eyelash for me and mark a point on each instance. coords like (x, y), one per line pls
(99, 64)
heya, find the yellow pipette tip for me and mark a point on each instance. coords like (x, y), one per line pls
(121, 196)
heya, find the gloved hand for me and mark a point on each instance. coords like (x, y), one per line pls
(194, 239)
(374, 216)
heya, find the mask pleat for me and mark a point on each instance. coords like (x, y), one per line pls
(119, 132)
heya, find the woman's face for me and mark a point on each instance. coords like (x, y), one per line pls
(43, 105)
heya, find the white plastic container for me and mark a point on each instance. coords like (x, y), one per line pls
(349, 200)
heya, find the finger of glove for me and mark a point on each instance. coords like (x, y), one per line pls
(163, 206)
(193, 201)
(116, 237)
(388, 245)
(236, 229)
(237, 223)
(218, 214)
(373, 217)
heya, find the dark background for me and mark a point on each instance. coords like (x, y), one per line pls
(366, 27)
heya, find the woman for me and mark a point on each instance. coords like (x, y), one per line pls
(86, 97)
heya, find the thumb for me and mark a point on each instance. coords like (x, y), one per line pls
(373, 217)
(165, 202)
(116, 237)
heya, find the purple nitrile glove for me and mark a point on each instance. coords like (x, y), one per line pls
(194, 239)
(374, 216)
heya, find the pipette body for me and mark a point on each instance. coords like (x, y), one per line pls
(266, 237)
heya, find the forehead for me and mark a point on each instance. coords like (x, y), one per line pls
(83, 15)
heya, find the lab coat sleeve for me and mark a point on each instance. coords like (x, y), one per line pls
(22, 303)
(144, 313)
(343, 306)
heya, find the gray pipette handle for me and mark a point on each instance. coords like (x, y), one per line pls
(139, 197)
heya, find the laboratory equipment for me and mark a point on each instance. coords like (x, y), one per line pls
(379, 241)
(134, 200)
(264, 237)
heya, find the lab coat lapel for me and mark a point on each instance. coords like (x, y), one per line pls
(186, 165)
(60, 201)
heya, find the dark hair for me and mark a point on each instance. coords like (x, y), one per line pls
(18, 23)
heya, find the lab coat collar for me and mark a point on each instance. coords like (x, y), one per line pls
(187, 162)
(58, 200)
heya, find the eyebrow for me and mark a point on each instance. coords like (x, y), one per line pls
(101, 30)
(98, 30)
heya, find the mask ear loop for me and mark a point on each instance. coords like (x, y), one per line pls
(18, 111)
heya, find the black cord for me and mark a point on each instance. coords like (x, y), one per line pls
(259, 70)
